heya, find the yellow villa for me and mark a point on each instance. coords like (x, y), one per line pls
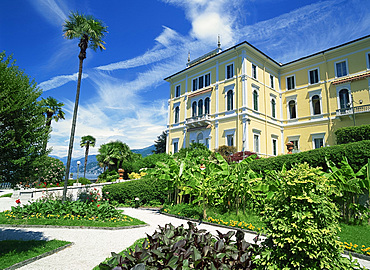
(241, 97)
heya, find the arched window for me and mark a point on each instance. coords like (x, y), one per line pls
(255, 100)
(206, 105)
(316, 108)
(194, 109)
(230, 105)
(273, 108)
(177, 114)
(200, 138)
(344, 99)
(200, 107)
(292, 109)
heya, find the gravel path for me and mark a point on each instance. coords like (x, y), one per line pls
(92, 246)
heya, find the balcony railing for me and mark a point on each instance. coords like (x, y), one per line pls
(198, 121)
(352, 110)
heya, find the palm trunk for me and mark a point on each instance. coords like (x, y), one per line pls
(73, 126)
(86, 155)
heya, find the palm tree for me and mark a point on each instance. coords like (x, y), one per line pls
(87, 141)
(90, 32)
(52, 109)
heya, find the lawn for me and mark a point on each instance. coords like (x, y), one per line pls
(15, 251)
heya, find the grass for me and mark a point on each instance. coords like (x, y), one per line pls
(138, 242)
(15, 251)
(124, 221)
(6, 195)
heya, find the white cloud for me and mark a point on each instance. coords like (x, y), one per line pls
(52, 10)
(59, 81)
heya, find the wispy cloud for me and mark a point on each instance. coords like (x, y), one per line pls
(53, 10)
(59, 81)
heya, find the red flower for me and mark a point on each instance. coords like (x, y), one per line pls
(98, 205)
(18, 201)
(45, 183)
(58, 184)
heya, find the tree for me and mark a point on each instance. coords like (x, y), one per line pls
(160, 143)
(87, 141)
(52, 109)
(22, 126)
(90, 32)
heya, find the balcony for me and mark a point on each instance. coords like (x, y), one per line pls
(198, 121)
(351, 110)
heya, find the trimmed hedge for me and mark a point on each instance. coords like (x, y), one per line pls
(357, 154)
(147, 190)
(352, 134)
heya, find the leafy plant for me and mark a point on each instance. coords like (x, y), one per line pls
(352, 134)
(187, 248)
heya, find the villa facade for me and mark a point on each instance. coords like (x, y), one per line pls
(244, 98)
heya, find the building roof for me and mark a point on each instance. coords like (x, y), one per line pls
(278, 64)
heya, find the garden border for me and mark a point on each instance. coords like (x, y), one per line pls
(38, 257)
(354, 254)
(72, 227)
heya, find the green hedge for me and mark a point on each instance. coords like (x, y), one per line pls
(352, 134)
(147, 190)
(357, 154)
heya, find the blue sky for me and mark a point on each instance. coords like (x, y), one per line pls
(123, 94)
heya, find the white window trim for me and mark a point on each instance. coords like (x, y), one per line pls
(367, 60)
(256, 78)
(286, 82)
(257, 88)
(318, 75)
(178, 85)
(311, 94)
(230, 132)
(257, 133)
(295, 138)
(317, 136)
(196, 137)
(288, 99)
(227, 65)
(273, 80)
(175, 140)
(344, 86)
(204, 81)
(335, 67)
(272, 96)
(275, 138)
(227, 89)
(176, 105)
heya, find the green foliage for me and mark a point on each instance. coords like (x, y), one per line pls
(52, 109)
(357, 154)
(160, 143)
(352, 134)
(51, 171)
(194, 150)
(302, 223)
(149, 161)
(146, 189)
(180, 248)
(108, 176)
(23, 133)
(226, 151)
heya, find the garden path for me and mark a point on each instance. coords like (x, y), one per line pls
(92, 246)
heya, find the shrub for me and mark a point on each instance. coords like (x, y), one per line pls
(108, 176)
(302, 223)
(352, 134)
(51, 171)
(357, 153)
(180, 248)
(146, 189)
(84, 181)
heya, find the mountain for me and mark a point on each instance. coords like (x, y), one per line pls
(93, 165)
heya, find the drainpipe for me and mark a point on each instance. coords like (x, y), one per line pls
(327, 93)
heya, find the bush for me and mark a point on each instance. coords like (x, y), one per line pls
(108, 176)
(302, 223)
(146, 189)
(84, 181)
(357, 153)
(51, 171)
(352, 134)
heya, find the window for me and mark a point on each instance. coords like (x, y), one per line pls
(230, 105)
(175, 147)
(207, 143)
(202, 81)
(254, 71)
(200, 138)
(295, 145)
(290, 82)
(194, 109)
(316, 107)
(292, 109)
(229, 71)
(314, 76)
(271, 81)
(368, 60)
(255, 100)
(318, 140)
(341, 69)
(273, 108)
(206, 105)
(344, 99)
(230, 140)
(274, 147)
(200, 107)
(256, 143)
(177, 114)
(177, 91)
